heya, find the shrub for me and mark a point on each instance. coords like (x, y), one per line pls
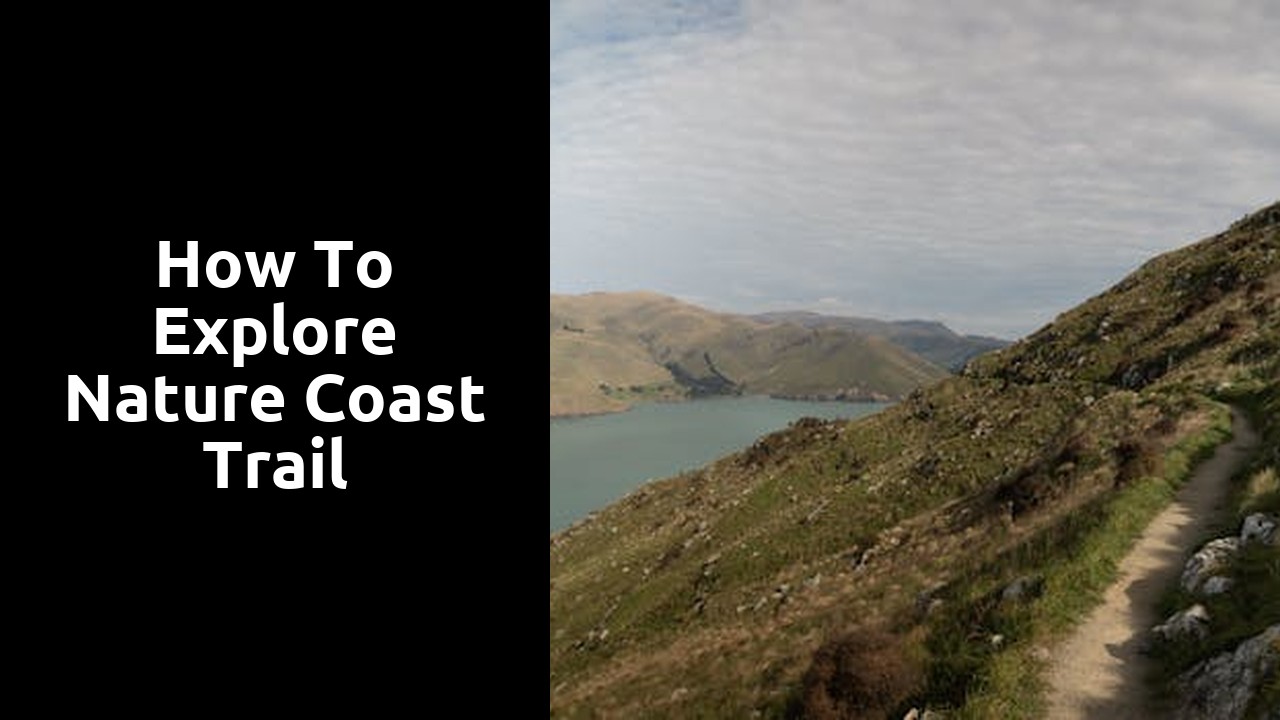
(1136, 459)
(863, 674)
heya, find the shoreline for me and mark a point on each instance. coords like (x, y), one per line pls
(824, 398)
(595, 464)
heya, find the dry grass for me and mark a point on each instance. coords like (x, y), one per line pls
(708, 594)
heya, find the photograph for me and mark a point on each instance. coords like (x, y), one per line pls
(914, 360)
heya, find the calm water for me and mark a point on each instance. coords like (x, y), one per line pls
(596, 460)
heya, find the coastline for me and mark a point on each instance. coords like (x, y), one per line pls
(838, 397)
(595, 461)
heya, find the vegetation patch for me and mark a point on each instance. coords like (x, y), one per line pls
(987, 652)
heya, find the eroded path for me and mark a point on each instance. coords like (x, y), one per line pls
(1098, 672)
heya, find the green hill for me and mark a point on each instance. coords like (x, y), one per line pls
(932, 341)
(862, 567)
(609, 350)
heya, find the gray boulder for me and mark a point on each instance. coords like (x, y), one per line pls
(1190, 623)
(1222, 687)
(1258, 528)
(1212, 559)
(1217, 585)
(1025, 588)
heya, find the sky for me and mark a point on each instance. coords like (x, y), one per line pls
(989, 165)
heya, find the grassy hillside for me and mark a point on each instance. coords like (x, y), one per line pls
(856, 567)
(609, 350)
(932, 341)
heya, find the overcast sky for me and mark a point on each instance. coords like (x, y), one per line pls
(984, 164)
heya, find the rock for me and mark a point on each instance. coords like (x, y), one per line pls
(1027, 587)
(1260, 528)
(1222, 687)
(1133, 378)
(858, 563)
(812, 517)
(1192, 622)
(925, 598)
(1210, 560)
(1217, 585)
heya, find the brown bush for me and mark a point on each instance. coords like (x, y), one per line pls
(864, 674)
(1029, 489)
(1136, 458)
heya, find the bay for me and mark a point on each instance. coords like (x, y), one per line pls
(596, 460)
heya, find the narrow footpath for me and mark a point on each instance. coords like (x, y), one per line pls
(1098, 672)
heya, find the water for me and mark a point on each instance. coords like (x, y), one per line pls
(596, 460)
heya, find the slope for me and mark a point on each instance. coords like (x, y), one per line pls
(730, 590)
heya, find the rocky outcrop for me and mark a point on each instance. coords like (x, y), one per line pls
(1258, 528)
(1217, 585)
(1212, 559)
(1192, 623)
(1222, 687)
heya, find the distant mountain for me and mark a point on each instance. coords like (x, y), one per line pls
(931, 340)
(610, 350)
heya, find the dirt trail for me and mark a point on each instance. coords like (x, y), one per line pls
(1098, 671)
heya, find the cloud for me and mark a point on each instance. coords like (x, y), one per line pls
(988, 167)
